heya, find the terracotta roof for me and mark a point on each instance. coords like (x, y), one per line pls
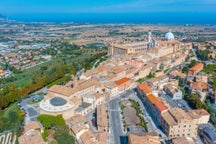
(77, 123)
(199, 85)
(98, 95)
(168, 118)
(160, 106)
(197, 113)
(102, 115)
(146, 138)
(32, 125)
(179, 114)
(121, 81)
(145, 88)
(152, 98)
(88, 138)
(62, 90)
(197, 67)
(75, 100)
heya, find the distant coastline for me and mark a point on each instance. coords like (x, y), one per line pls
(146, 18)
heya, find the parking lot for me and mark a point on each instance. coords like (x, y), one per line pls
(181, 103)
(31, 110)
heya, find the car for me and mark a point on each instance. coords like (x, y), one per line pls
(94, 114)
(23, 109)
(128, 129)
(93, 119)
(94, 123)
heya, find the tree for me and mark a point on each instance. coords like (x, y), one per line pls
(49, 121)
(62, 135)
(185, 69)
(13, 116)
(193, 63)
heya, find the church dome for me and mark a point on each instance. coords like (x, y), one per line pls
(169, 36)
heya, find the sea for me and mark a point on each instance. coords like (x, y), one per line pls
(120, 18)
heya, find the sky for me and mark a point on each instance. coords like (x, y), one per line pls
(106, 6)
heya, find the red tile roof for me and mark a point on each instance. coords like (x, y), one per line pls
(160, 106)
(198, 66)
(145, 88)
(152, 98)
(121, 81)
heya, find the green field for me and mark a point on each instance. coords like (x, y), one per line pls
(25, 78)
(11, 119)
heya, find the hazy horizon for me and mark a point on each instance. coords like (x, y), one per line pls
(133, 18)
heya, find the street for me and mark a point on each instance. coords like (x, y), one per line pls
(116, 135)
(89, 117)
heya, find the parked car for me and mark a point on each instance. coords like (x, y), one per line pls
(94, 114)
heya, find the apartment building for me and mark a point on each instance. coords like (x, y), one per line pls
(173, 91)
(177, 123)
(144, 89)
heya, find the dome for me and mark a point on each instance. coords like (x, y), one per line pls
(169, 36)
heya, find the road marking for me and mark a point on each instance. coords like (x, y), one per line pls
(114, 110)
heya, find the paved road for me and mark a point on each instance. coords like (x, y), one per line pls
(175, 67)
(32, 111)
(89, 117)
(117, 135)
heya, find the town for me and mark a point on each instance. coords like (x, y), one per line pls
(107, 84)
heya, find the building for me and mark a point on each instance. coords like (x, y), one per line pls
(173, 91)
(144, 71)
(183, 140)
(201, 77)
(158, 81)
(144, 138)
(212, 55)
(111, 89)
(177, 123)
(78, 125)
(102, 118)
(144, 89)
(32, 134)
(201, 115)
(93, 138)
(198, 86)
(155, 105)
(131, 48)
(207, 133)
(195, 69)
(123, 84)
